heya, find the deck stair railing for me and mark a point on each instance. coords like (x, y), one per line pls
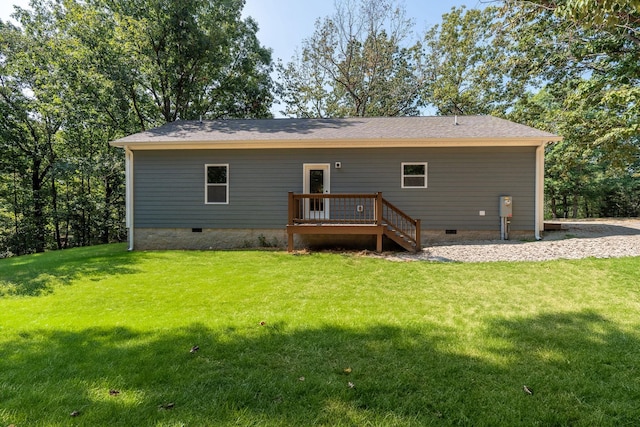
(400, 227)
(352, 214)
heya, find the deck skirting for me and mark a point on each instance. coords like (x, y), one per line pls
(343, 229)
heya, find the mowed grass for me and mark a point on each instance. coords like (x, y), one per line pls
(317, 339)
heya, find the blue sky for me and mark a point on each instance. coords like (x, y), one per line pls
(284, 23)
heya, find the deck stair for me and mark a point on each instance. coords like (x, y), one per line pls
(400, 238)
(352, 214)
(400, 227)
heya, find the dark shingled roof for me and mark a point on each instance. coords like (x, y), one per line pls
(365, 128)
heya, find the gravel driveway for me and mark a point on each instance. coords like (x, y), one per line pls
(600, 238)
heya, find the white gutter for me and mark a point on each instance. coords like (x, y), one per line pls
(539, 189)
(128, 173)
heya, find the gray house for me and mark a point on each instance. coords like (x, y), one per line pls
(234, 183)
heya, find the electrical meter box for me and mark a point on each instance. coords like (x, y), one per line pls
(506, 207)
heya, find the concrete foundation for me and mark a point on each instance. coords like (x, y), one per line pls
(215, 239)
(442, 236)
(207, 239)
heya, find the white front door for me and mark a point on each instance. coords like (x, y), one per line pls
(316, 181)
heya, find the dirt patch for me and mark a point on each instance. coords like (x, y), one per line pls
(594, 228)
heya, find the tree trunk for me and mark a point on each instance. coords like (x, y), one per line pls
(54, 206)
(67, 214)
(89, 210)
(108, 192)
(38, 207)
(83, 215)
(16, 213)
(586, 208)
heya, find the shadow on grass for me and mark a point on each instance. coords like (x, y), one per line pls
(38, 274)
(583, 371)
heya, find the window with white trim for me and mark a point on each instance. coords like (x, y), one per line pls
(216, 184)
(414, 175)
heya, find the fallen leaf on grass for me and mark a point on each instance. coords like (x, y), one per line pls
(301, 379)
(113, 392)
(167, 406)
(347, 371)
(75, 413)
(527, 390)
(194, 349)
(350, 384)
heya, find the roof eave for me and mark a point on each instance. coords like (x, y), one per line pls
(338, 143)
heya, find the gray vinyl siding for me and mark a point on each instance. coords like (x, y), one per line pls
(169, 185)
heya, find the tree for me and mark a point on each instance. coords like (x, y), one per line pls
(192, 58)
(357, 63)
(586, 55)
(78, 74)
(465, 63)
(594, 42)
(611, 15)
(31, 105)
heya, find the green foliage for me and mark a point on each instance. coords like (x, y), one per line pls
(264, 243)
(56, 140)
(76, 75)
(583, 58)
(192, 58)
(465, 61)
(613, 15)
(363, 342)
(32, 107)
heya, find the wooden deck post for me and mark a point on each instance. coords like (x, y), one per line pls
(290, 223)
(289, 241)
(379, 242)
(379, 221)
(378, 208)
(418, 237)
(291, 209)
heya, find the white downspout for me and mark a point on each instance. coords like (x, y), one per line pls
(539, 196)
(128, 172)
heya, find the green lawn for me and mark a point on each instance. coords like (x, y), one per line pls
(320, 339)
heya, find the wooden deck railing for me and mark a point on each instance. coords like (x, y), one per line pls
(332, 209)
(401, 222)
(351, 214)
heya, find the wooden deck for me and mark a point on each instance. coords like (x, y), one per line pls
(344, 214)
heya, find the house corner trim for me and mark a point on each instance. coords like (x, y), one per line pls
(128, 172)
(539, 189)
